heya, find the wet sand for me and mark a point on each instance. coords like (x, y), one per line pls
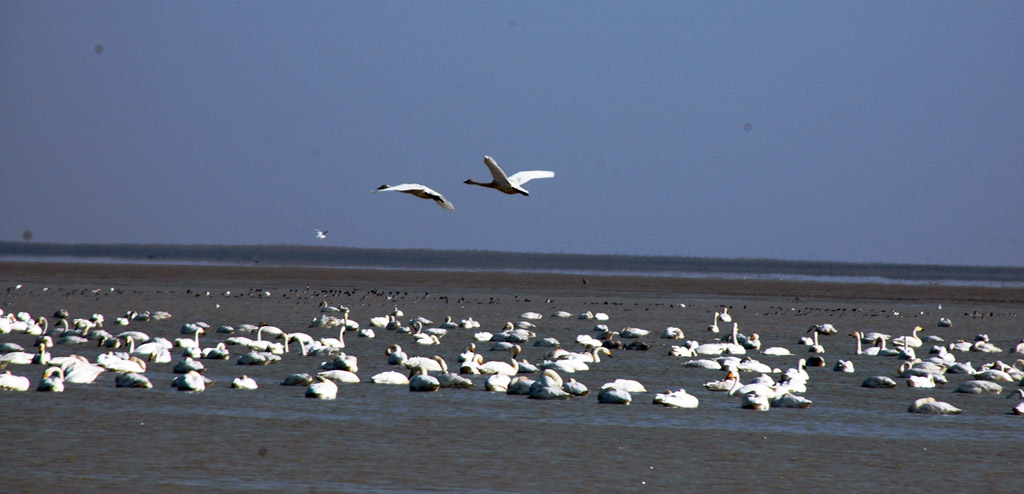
(377, 438)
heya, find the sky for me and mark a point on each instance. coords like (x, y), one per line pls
(849, 131)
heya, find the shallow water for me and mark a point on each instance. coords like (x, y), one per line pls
(377, 438)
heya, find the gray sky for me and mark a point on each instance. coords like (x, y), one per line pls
(878, 131)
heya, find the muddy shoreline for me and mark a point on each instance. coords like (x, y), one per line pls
(599, 285)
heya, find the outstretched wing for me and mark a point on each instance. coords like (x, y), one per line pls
(522, 177)
(421, 191)
(444, 203)
(496, 172)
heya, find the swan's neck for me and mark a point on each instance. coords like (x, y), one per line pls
(735, 385)
(860, 349)
(302, 347)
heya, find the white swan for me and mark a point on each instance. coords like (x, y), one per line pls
(776, 351)
(320, 234)
(11, 382)
(244, 382)
(113, 363)
(843, 366)
(724, 315)
(420, 381)
(790, 400)
(132, 380)
(930, 405)
(390, 377)
(548, 387)
(340, 376)
(1018, 409)
(79, 370)
(428, 364)
(672, 333)
(921, 381)
(722, 384)
(192, 381)
(756, 400)
(510, 368)
(978, 387)
(762, 390)
(878, 382)
(188, 364)
(627, 385)
(630, 332)
(52, 381)
(509, 184)
(258, 358)
(713, 327)
(322, 389)
(343, 361)
(911, 340)
(497, 383)
(420, 191)
(614, 396)
(677, 399)
(395, 355)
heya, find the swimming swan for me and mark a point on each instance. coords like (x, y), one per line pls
(930, 405)
(322, 389)
(244, 382)
(52, 381)
(677, 399)
(11, 382)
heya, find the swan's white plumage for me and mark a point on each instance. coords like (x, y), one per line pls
(421, 191)
(509, 184)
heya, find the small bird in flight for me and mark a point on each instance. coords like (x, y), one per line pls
(320, 234)
(420, 191)
(507, 184)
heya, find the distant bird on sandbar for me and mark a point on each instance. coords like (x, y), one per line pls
(320, 234)
(509, 184)
(420, 191)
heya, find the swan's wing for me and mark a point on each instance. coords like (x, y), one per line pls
(441, 201)
(496, 171)
(525, 176)
(428, 193)
(410, 188)
(421, 191)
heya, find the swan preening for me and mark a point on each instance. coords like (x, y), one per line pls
(509, 184)
(421, 191)
(52, 381)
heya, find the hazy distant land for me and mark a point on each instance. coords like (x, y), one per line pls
(298, 255)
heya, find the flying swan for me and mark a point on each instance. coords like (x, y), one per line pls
(420, 191)
(509, 184)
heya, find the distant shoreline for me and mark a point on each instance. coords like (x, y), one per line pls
(209, 277)
(492, 261)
